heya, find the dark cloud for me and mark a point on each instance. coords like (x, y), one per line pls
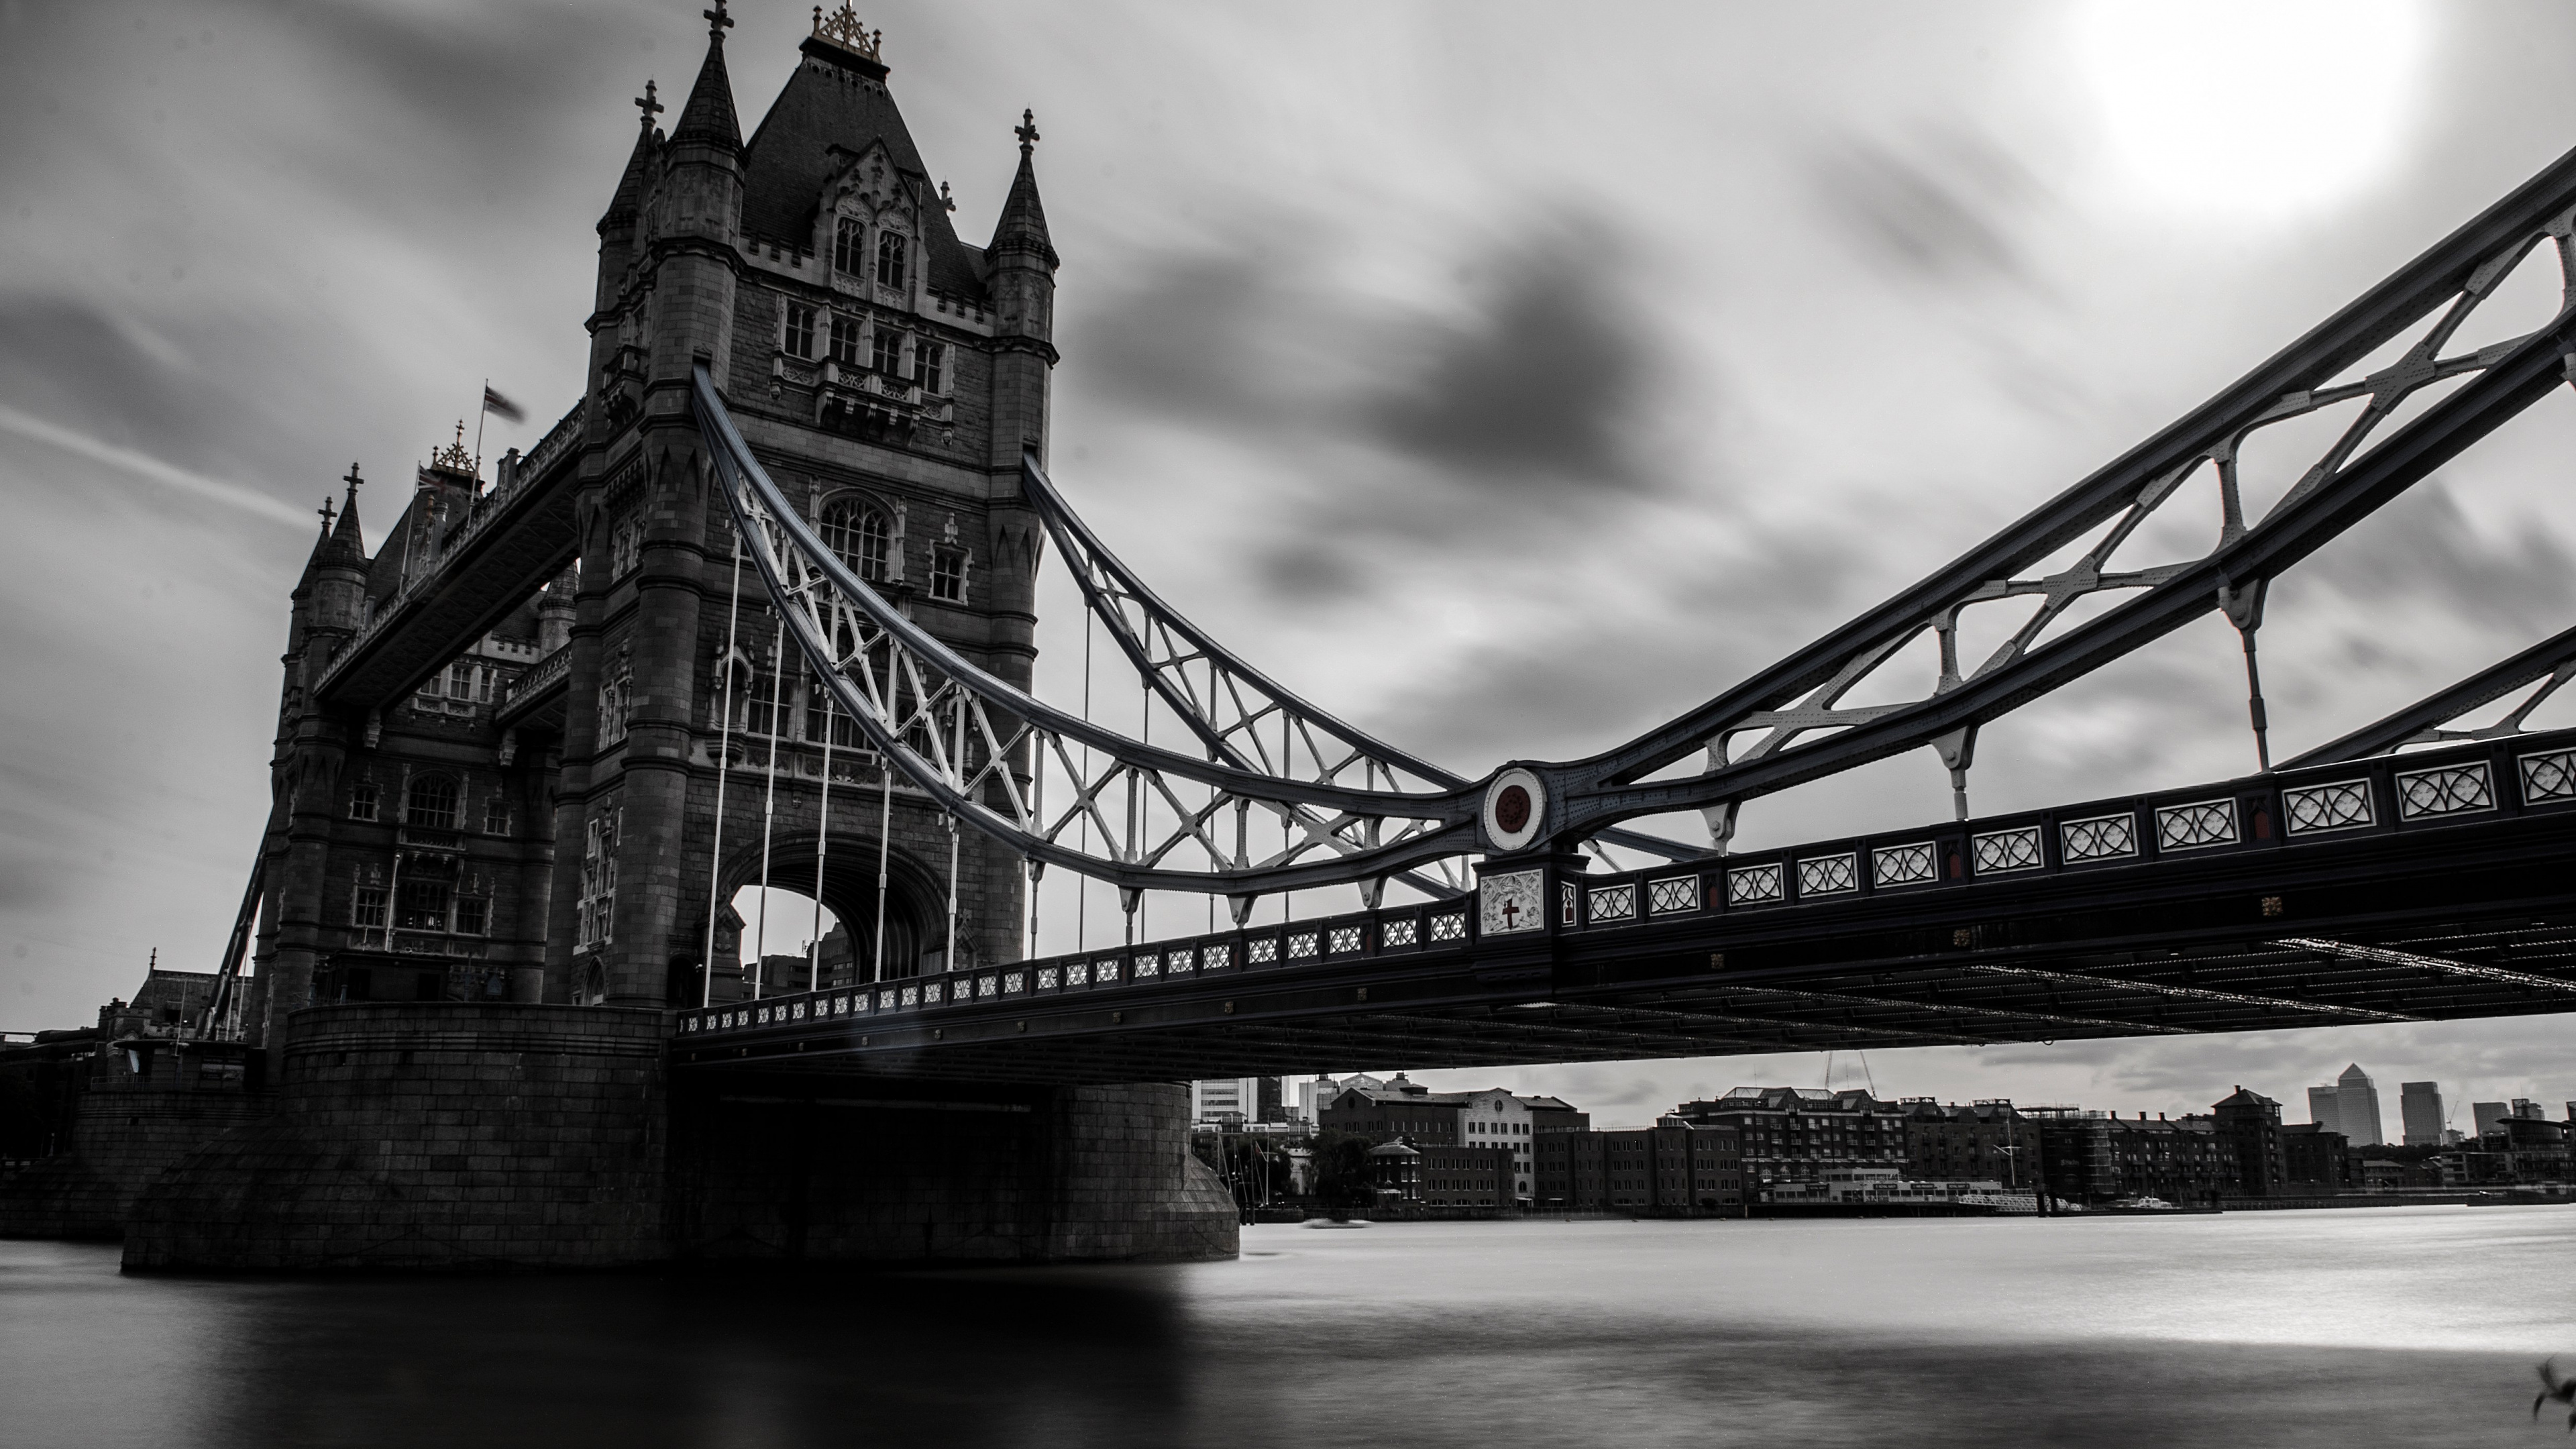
(1408, 427)
(1941, 214)
(1539, 387)
(1193, 337)
(1579, 685)
(2422, 548)
(71, 361)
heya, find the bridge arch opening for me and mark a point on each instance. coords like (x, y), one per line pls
(914, 920)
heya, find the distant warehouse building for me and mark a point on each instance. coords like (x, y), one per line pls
(1793, 1134)
(1491, 1119)
(1674, 1168)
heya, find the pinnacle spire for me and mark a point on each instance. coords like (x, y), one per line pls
(1022, 226)
(708, 114)
(348, 540)
(629, 197)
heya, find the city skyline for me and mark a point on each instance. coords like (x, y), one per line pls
(2456, 1107)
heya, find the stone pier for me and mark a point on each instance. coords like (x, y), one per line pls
(488, 1137)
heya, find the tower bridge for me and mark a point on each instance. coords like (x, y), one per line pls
(761, 610)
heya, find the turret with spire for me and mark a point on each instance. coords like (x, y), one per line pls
(1022, 261)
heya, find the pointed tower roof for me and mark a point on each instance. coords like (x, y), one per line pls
(1022, 226)
(836, 106)
(629, 199)
(321, 551)
(708, 115)
(2354, 1073)
(348, 540)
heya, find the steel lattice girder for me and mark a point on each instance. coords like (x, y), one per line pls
(1375, 832)
(2552, 660)
(957, 707)
(1230, 711)
(2339, 492)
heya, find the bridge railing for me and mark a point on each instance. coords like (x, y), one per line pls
(2431, 789)
(1433, 930)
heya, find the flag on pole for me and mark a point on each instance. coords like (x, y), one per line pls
(493, 402)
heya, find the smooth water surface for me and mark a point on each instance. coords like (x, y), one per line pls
(2416, 1326)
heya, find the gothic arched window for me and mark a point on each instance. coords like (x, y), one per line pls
(430, 802)
(849, 246)
(860, 535)
(890, 251)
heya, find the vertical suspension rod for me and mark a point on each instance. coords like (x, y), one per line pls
(768, 809)
(957, 774)
(822, 849)
(885, 845)
(724, 768)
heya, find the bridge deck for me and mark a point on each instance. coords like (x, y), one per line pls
(2423, 886)
(517, 534)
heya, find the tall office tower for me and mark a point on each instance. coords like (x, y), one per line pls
(2487, 1115)
(2525, 1107)
(2325, 1107)
(2358, 1108)
(2419, 1105)
(1216, 1100)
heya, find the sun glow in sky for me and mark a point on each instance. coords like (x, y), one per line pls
(2251, 112)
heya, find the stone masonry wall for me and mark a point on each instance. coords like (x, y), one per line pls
(125, 1130)
(432, 1136)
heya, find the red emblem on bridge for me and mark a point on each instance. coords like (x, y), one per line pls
(1515, 810)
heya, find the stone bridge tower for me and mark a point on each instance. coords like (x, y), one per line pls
(559, 812)
(530, 747)
(889, 375)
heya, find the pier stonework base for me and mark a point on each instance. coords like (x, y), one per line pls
(483, 1137)
(140, 1111)
(792, 1166)
(432, 1136)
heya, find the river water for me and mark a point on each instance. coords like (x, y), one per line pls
(2411, 1326)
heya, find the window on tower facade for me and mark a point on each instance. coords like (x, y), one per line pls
(800, 331)
(756, 696)
(367, 908)
(845, 340)
(889, 260)
(430, 803)
(496, 814)
(362, 800)
(473, 915)
(598, 883)
(625, 545)
(930, 365)
(820, 711)
(948, 574)
(428, 890)
(859, 535)
(849, 246)
(885, 352)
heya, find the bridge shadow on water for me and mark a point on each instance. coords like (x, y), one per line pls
(1456, 1335)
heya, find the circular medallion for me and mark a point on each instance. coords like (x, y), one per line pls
(1515, 809)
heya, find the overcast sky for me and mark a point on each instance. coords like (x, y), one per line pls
(1508, 378)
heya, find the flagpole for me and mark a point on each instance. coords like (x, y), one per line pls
(481, 411)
